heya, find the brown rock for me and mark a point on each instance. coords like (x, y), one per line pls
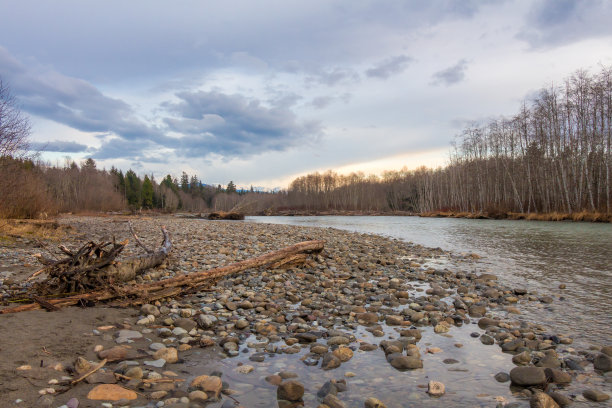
(209, 384)
(435, 388)
(367, 318)
(373, 403)
(542, 400)
(290, 391)
(344, 354)
(169, 354)
(595, 395)
(111, 392)
(117, 353)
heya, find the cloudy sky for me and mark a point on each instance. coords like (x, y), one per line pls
(261, 91)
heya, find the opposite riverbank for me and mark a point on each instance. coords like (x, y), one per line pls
(369, 318)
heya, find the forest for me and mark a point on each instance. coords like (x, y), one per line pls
(552, 156)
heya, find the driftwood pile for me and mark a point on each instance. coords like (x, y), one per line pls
(94, 271)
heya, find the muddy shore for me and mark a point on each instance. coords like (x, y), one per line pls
(369, 322)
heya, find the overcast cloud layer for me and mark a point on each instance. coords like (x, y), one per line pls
(259, 92)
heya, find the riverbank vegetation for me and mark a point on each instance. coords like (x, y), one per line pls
(552, 160)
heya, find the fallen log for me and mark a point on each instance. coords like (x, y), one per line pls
(138, 294)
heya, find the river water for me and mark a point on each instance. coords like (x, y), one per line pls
(537, 255)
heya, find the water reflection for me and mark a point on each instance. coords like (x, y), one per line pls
(538, 255)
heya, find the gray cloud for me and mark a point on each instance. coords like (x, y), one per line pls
(332, 76)
(558, 22)
(451, 75)
(233, 125)
(321, 102)
(71, 101)
(59, 146)
(390, 66)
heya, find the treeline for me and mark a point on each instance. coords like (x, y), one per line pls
(554, 155)
(32, 189)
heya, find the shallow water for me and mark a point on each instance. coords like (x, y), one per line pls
(537, 255)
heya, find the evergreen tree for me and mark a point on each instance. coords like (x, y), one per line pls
(231, 188)
(147, 193)
(133, 189)
(185, 182)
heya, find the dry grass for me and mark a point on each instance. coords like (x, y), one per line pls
(585, 216)
(41, 229)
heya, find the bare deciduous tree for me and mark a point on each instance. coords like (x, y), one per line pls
(14, 125)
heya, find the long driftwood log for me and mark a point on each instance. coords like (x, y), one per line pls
(138, 294)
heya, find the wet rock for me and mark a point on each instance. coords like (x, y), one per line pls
(198, 396)
(344, 354)
(367, 347)
(486, 322)
(337, 340)
(326, 389)
(306, 337)
(330, 362)
(257, 357)
(209, 384)
(244, 369)
(441, 328)
(595, 395)
(542, 400)
(274, 379)
(607, 350)
(528, 376)
(435, 388)
(287, 374)
(290, 391)
(477, 310)
(372, 402)
(522, 358)
(241, 324)
(319, 349)
(512, 345)
(333, 402)
(367, 318)
(406, 362)
(502, 377)
(603, 362)
(560, 399)
(111, 392)
(487, 340)
(394, 320)
(557, 376)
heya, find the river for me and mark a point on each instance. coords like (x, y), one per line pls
(537, 255)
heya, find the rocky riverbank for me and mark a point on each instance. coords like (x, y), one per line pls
(369, 322)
